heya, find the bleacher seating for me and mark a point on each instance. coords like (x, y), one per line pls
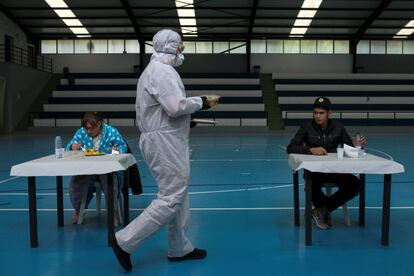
(357, 99)
(113, 95)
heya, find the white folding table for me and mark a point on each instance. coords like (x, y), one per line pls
(73, 163)
(364, 164)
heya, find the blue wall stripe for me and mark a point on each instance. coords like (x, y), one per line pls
(343, 81)
(368, 107)
(131, 114)
(284, 93)
(131, 100)
(360, 122)
(129, 87)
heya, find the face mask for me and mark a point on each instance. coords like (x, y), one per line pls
(178, 60)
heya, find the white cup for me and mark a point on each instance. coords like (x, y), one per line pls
(340, 153)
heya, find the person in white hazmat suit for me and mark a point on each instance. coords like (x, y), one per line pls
(163, 117)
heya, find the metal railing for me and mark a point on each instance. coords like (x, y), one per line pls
(24, 58)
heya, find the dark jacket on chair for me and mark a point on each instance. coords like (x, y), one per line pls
(134, 178)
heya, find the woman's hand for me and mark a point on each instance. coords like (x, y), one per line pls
(75, 146)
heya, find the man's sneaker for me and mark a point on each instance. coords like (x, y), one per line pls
(196, 254)
(123, 257)
(318, 216)
(328, 218)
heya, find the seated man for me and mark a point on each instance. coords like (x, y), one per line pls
(318, 137)
(94, 134)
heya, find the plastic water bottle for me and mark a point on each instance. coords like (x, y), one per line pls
(357, 140)
(58, 147)
(340, 151)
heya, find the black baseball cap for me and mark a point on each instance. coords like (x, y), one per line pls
(322, 102)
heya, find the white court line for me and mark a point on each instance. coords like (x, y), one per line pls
(8, 179)
(37, 194)
(386, 154)
(153, 194)
(215, 209)
(241, 190)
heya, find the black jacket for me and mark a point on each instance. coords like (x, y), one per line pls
(312, 135)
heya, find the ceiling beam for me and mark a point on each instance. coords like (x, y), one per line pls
(132, 18)
(138, 34)
(207, 8)
(212, 17)
(363, 28)
(230, 25)
(252, 18)
(239, 35)
(217, 37)
(249, 34)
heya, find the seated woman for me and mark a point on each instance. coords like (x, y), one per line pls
(94, 134)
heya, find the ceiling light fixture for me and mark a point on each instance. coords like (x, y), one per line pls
(406, 31)
(186, 17)
(308, 10)
(63, 11)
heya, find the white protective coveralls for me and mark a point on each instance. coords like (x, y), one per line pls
(163, 117)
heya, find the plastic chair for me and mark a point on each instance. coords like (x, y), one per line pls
(98, 194)
(328, 187)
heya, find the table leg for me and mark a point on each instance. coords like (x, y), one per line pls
(59, 197)
(296, 198)
(31, 181)
(386, 210)
(362, 201)
(308, 207)
(125, 189)
(110, 208)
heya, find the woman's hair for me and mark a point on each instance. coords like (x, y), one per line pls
(93, 118)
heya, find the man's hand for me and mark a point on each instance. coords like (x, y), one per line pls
(363, 141)
(205, 106)
(318, 151)
(75, 146)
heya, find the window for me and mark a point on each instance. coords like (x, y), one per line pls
(377, 46)
(308, 47)
(48, 46)
(363, 47)
(394, 47)
(115, 46)
(220, 47)
(82, 46)
(325, 46)
(65, 46)
(408, 47)
(131, 46)
(258, 46)
(291, 47)
(148, 47)
(275, 46)
(241, 47)
(190, 47)
(204, 47)
(99, 46)
(341, 46)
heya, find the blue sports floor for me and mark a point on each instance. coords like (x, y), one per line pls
(241, 202)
